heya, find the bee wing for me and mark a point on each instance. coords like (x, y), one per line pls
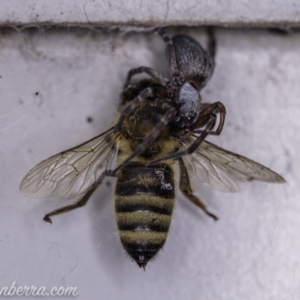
(220, 168)
(73, 172)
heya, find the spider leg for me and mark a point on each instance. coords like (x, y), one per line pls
(176, 155)
(148, 140)
(130, 107)
(170, 53)
(154, 74)
(212, 44)
(203, 118)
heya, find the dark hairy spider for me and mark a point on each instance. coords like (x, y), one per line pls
(191, 67)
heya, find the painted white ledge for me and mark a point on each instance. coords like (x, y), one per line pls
(267, 13)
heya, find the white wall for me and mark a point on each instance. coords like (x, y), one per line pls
(52, 80)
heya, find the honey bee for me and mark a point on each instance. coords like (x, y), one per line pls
(159, 131)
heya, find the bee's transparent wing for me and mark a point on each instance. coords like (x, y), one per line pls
(220, 168)
(73, 172)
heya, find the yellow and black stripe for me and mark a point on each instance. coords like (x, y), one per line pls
(144, 204)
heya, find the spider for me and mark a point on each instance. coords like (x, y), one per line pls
(191, 67)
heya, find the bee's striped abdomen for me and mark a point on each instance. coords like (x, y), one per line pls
(144, 206)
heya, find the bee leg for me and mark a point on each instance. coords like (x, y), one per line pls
(148, 140)
(176, 155)
(211, 45)
(81, 202)
(185, 187)
(154, 74)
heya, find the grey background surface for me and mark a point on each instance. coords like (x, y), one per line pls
(52, 80)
